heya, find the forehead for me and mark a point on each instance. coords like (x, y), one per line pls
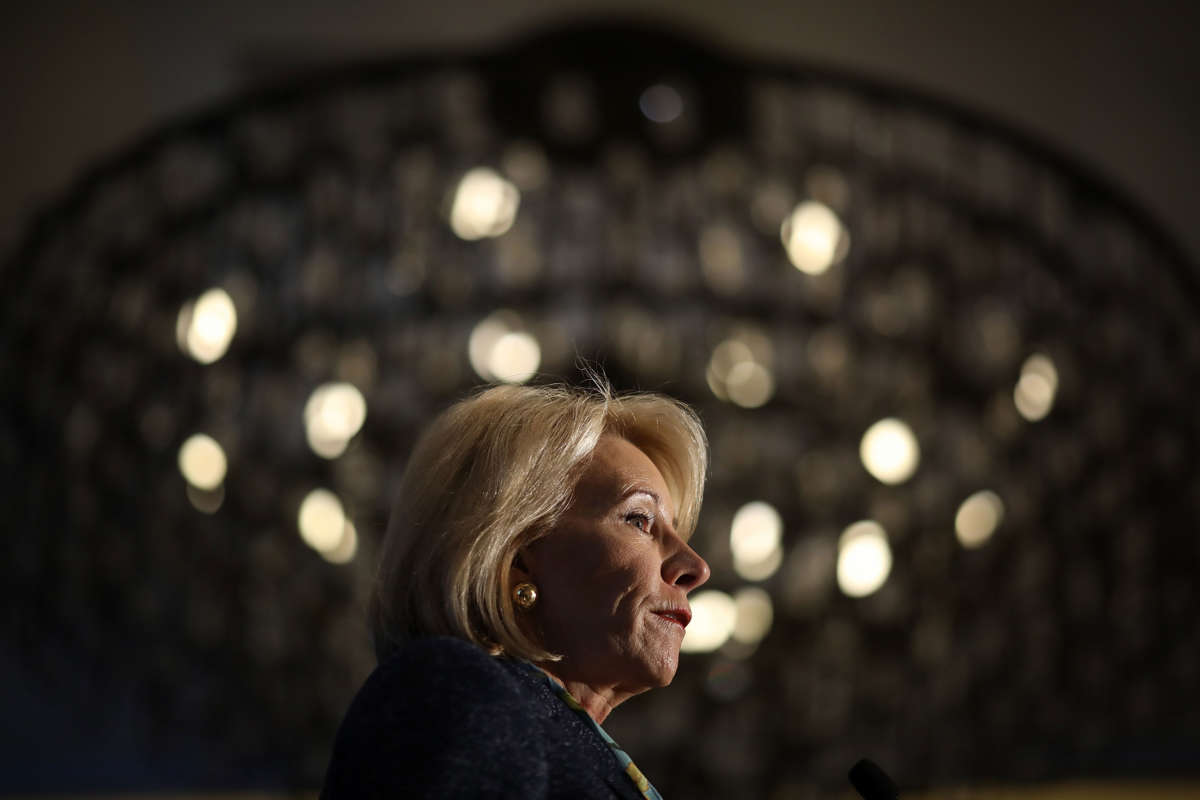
(617, 467)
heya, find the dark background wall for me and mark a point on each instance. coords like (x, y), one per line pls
(1110, 82)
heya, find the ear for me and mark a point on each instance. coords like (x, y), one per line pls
(520, 572)
(527, 563)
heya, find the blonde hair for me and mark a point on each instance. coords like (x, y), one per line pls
(492, 474)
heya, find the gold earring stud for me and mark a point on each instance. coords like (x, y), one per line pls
(525, 595)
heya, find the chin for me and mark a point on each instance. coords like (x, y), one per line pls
(663, 672)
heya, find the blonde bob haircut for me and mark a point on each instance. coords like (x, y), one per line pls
(493, 473)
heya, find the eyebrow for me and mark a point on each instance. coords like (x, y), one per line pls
(636, 488)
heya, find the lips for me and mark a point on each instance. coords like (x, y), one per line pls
(680, 616)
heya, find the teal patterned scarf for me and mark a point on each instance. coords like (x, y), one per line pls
(641, 781)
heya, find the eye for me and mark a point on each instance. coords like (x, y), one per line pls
(640, 520)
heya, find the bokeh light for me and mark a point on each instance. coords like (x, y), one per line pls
(814, 237)
(205, 326)
(755, 540)
(977, 518)
(347, 546)
(864, 558)
(333, 414)
(515, 357)
(202, 462)
(485, 205)
(889, 451)
(1036, 388)
(760, 570)
(739, 370)
(661, 103)
(755, 613)
(714, 614)
(749, 384)
(500, 349)
(322, 520)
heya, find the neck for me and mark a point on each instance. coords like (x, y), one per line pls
(597, 701)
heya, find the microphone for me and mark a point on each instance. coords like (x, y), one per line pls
(871, 782)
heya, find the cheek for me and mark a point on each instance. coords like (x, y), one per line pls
(596, 583)
(581, 593)
(599, 608)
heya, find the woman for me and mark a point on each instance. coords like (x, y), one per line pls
(534, 575)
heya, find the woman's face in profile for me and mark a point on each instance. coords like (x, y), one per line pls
(613, 576)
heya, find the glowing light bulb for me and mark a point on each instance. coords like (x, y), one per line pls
(755, 614)
(889, 451)
(343, 552)
(515, 357)
(205, 326)
(977, 519)
(864, 558)
(714, 615)
(202, 462)
(333, 415)
(485, 205)
(749, 384)
(500, 350)
(755, 532)
(739, 370)
(813, 237)
(1036, 388)
(322, 520)
(754, 539)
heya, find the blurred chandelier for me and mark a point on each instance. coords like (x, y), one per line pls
(949, 381)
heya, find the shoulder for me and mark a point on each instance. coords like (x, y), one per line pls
(446, 652)
(456, 671)
(454, 680)
(428, 717)
(441, 653)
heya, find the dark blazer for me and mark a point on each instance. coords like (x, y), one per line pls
(442, 718)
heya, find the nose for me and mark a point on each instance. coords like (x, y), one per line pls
(685, 568)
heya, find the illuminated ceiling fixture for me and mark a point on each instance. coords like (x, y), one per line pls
(755, 612)
(714, 616)
(202, 462)
(754, 538)
(1036, 388)
(889, 451)
(864, 559)
(322, 521)
(333, 414)
(739, 370)
(501, 350)
(485, 205)
(977, 519)
(205, 326)
(814, 237)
